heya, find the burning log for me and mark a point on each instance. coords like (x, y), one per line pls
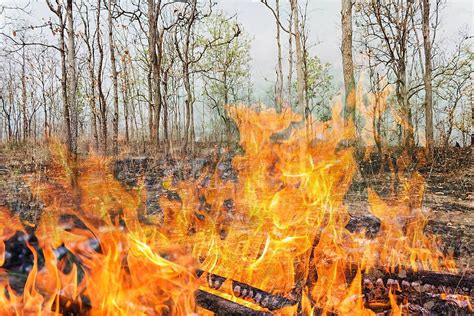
(221, 306)
(262, 298)
(413, 298)
(239, 289)
(464, 281)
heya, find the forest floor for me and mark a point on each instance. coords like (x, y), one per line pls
(448, 199)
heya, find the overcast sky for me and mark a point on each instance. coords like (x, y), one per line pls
(324, 25)
(324, 21)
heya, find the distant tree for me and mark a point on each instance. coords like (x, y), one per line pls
(113, 66)
(320, 88)
(387, 29)
(452, 87)
(72, 76)
(347, 62)
(225, 67)
(302, 106)
(428, 77)
(67, 103)
(89, 41)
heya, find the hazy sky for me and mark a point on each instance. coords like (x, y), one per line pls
(324, 25)
(324, 21)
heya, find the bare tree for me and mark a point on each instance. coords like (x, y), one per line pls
(58, 11)
(389, 31)
(428, 78)
(102, 101)
(299, 58)
(89, 41)
(113, 66)
(72, 83)
(126, 92)
(155, 43)
(279, 83)
(347, 62)
(24, 100)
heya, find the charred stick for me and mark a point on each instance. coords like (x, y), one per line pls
(260, 297)
(222, 306)
(462, 281)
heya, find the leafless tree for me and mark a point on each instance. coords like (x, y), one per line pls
(347, 62)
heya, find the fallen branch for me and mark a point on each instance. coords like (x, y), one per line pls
(464, 280)
(239, 289)
(221, 306)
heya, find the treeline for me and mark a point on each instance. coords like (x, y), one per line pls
(155, 75)
(123, 73)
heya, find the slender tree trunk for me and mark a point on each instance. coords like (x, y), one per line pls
(91, 69)
(64, 93)
(125, 97)
(151, 107)
(23, 96)
(279, 83)
(472, 108)
(290, 57)
(153, 42)
(102, 102)
(45, 107)
(65, 97)
(402, 96)
(428, 78)
(92, 99)
(71, 59)
(189, 102)
(347, 62)
(157, 84)
(165, 111)
(113, 66)
(299, 59)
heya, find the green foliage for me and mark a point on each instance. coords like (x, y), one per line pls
(320, 88)
(226, 64)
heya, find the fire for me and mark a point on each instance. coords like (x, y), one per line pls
(279, 226)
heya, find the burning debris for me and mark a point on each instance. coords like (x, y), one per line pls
(268, 233)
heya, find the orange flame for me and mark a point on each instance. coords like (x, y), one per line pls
(279, 227)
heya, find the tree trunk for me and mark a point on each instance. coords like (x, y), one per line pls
(45, 107)
(151, 124)
(64, 94)
(102, 103)
(125, 97)
(153, 43)
(113, 66)
(165, 111)
(71, 60)
(23, 96)
(402, 96)
(92, 99)
(472, 111)
(279, 83)
(428, 78)
(290, 56)
(189, 102)
(347, 62)
(299, 59)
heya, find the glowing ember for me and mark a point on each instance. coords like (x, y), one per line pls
(279, 227)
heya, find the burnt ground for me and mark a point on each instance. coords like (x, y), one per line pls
(448, 201)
